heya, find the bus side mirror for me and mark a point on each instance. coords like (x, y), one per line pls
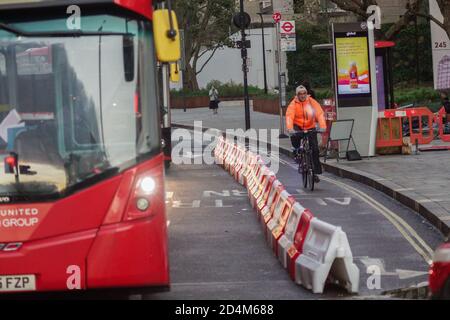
(167, 48)
(174, 72)
(128, 57)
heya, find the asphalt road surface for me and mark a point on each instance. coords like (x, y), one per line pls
(218, 250)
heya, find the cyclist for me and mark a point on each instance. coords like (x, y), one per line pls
(303, 113)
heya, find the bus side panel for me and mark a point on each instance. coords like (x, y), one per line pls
(134, 252)
(58, 263)
(130, 254)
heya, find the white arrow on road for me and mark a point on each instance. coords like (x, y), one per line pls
(407, 274)
(401, 273)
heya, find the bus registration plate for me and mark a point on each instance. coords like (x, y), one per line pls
(17, 283)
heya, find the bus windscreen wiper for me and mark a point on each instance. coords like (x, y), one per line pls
(59, 33)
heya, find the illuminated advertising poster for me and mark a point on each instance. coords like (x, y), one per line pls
(353, 78)
(353, 65)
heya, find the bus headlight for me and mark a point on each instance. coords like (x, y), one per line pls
(148, 185)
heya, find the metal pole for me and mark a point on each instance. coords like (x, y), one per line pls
(282, 134)
(264, 52)
(244, 69)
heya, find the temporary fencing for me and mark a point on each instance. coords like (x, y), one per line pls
(418, 123)
(312, 251)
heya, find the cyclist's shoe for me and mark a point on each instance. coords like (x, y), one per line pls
(316, 178)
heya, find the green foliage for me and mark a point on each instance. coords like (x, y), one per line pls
(325, 93)
(306, 63)
(416, 95)
(404, 55)
(230, 89)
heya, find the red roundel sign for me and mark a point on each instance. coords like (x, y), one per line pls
(287, 27)
(276, 17)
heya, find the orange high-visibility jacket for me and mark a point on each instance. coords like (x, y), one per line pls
(305, 114)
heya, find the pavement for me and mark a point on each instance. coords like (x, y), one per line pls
(419, 181)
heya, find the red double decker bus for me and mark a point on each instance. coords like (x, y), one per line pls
(82, 200)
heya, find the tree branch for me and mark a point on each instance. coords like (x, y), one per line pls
(432, 18)
(206, 62)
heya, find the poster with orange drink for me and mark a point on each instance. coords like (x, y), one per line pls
(352, 57)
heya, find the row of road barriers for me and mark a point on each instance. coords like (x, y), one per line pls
(312, 251)
(418, 122)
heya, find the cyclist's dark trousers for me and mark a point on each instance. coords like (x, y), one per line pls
(313, 143)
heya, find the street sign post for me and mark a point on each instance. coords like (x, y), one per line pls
(276, 17)
(287, 36)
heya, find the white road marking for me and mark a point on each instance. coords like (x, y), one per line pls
(401, 225)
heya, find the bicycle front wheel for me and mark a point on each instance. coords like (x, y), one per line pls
(303, 169)
(310, 174)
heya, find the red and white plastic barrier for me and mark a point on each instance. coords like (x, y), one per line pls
(287, 239)
(260, 190)
(312, 251)
(296, 248)
(268, 199)
(268, 211)
(326, 255)
(275, 227)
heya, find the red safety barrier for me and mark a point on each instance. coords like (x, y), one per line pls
(279, 229)
(329, 109)
(229, 159)
(276, 214)
(239, 172)
(253, 160)
(390, 126)
(257, 183)
(442, 118)
(268, 210)
(389, 130)
(254, 177)
(223, 155)
(259, 190)
(238, 163)
(421, 115)
(262, 200)
(297, 247)
(287, 239)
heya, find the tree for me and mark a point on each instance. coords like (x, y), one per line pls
(414, 8)
(206, 25)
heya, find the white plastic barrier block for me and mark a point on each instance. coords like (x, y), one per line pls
(254, 160)
(267, 210)
(258, 187)
(239, 175)
(259, 192)
(267, 199)
(287, 239)
(326, 255)
(255, 179)
(239, 162)
(278, 211)
(229, 159)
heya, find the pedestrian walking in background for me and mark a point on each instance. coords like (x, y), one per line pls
(214, 99)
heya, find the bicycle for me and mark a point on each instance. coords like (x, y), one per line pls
(304, 158)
